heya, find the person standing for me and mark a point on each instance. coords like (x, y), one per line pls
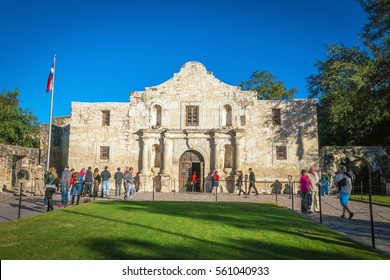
(77, 187)
(39, 180)
(88, 182)
(23, 178)
(314, 183)
(51, 182)
(304, 189)
(194, 181)
(252, 182)
(215, 181)
(118, 176)
(97, 179)
(130, 184)
(65, 184)
(124, 181)
(106, 175)
(344, 183)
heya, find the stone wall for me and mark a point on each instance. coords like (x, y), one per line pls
(59, 143)
(11, 159)
(153, 123)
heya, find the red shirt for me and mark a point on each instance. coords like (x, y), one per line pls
(216, 176)
(194, 178)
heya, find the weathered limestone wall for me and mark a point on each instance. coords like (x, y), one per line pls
(87, 135)
(153, 123)
(297, 131)
(11, 159)
(59, 143)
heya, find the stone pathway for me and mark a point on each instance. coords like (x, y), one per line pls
(358, 228)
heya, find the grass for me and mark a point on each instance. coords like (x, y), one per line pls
(175, 230)
(385, 199)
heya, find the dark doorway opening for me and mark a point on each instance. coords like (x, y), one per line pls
(191, 161)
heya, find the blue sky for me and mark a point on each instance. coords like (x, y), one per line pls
(105, 49)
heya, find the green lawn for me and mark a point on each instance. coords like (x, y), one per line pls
(174, 230)
(385, 199)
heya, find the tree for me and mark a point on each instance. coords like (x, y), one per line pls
(17, 126)
(353, 86)
(268, 87)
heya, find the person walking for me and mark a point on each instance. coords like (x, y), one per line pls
(314, 188)
(65, 185)
(304, 190)
(194, 181)
(88, 182)
(344, 182)
(51, 182)
(118, 176)
(130, 189)
(252, 182)
(39, 180)
(106, 175)
(239, 182)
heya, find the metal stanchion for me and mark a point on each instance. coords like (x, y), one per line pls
(246, 186)
(20, 199)
(372, 222)
(153, 192)
(319, 200)
(292, 196)
(291, 191)
(216, 193)
(276, 192)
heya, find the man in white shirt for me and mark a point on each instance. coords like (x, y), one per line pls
(344, 182)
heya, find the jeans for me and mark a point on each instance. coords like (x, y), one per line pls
(130, 191)
(118, 188)
(64, 195)
(76, 189)
(88, 189)
(105, 186)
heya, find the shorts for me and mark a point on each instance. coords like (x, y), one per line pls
(344, 198)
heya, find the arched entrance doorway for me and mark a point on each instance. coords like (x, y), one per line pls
(190, 161)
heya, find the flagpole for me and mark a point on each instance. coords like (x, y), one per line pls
(51, 115)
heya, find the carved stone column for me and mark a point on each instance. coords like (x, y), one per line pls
(237, 158)
(216, 154)
(145, 152)
(166, 156)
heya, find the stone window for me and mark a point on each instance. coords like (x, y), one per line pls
(192, 115)
(156, 154)
(104, 152)
(227, 116)
(281, 152)
(156, 116)
(276, 120)
(105, 118)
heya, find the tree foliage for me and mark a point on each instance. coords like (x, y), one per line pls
(353, 86)
(17, 126)
(268, 87)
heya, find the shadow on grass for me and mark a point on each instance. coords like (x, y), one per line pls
(173, 243)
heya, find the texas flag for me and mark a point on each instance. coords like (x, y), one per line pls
(50, 81)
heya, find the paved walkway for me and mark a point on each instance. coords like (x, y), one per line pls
(358, 228)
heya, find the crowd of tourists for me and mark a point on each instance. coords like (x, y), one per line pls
(312, 186)
(72, 184)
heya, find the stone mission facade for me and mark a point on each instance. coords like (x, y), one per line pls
(194, 122)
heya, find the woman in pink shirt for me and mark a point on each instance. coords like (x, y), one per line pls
(304, 190)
